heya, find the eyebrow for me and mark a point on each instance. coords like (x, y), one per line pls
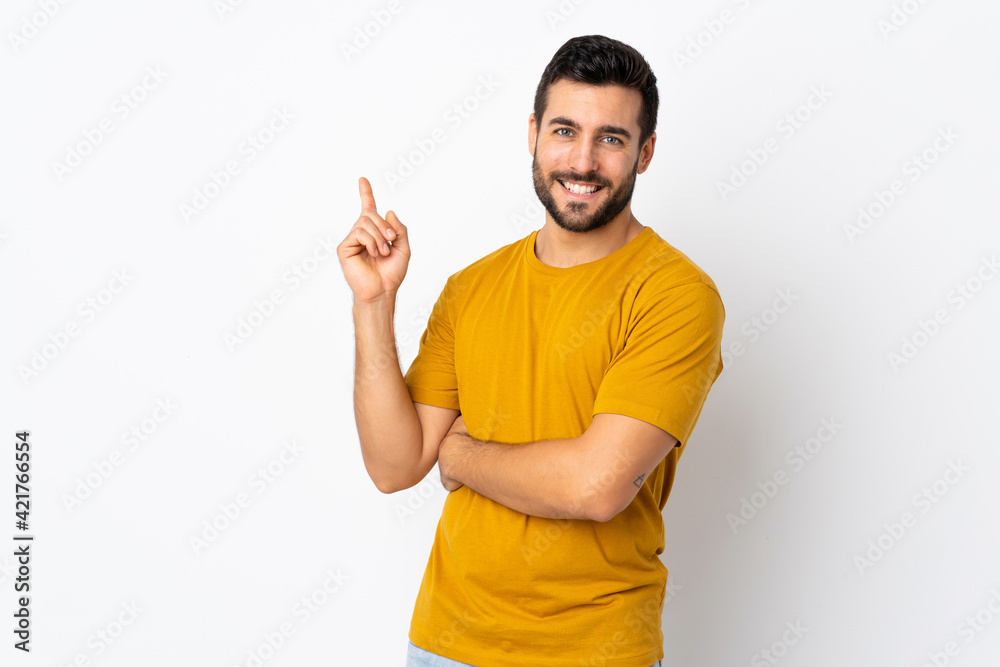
(604, 129)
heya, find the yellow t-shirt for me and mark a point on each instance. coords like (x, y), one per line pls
(527, 352)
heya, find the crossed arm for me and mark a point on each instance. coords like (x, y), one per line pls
(593, 476)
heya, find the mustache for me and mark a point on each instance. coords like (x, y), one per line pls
(583, 178)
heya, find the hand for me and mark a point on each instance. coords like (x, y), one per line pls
(373, 271)
(446, 448)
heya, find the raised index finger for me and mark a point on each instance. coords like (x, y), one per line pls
(367, 196)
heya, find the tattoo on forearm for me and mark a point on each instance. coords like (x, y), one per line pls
(638, 481)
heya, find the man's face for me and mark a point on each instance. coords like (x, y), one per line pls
(585, 153)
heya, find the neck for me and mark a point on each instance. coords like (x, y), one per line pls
(560, 248)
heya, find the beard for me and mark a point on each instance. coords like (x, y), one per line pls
(573, 217)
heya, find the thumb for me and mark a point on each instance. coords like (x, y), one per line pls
(402, 241)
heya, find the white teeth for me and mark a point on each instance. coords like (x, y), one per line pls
(579, 189)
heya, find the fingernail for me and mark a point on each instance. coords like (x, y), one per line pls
(385, 247)
(390, 233)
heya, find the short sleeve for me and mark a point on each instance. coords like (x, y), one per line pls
(671, 357)
(431, 377)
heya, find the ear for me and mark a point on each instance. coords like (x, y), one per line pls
(532, 134)
(646, 153)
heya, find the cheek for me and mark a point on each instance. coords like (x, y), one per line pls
(552, 154)
(624, 167)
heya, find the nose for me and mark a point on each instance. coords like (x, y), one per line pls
(583, 157)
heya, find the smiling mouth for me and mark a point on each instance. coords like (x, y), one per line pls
(580, 188)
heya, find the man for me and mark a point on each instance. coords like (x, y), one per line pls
(556, 386)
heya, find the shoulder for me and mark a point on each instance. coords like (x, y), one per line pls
(488, 266)
(664, 268)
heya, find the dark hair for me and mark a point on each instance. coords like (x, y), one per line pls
(600, 60)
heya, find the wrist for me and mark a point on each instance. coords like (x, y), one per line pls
(378, 311)
(449, 451)
(381, 303)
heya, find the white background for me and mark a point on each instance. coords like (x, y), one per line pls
(186, 282)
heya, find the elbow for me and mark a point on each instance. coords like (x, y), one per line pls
(383, 482)
(386, 486)
(603, 513)
(601, 507)
(389, 483)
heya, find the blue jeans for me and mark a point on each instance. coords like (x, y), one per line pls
(418, 657)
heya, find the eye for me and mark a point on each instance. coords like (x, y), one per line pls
(563, 129)
(614, 139)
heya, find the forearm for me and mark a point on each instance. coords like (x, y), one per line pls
(541, 478)
(391, 447)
